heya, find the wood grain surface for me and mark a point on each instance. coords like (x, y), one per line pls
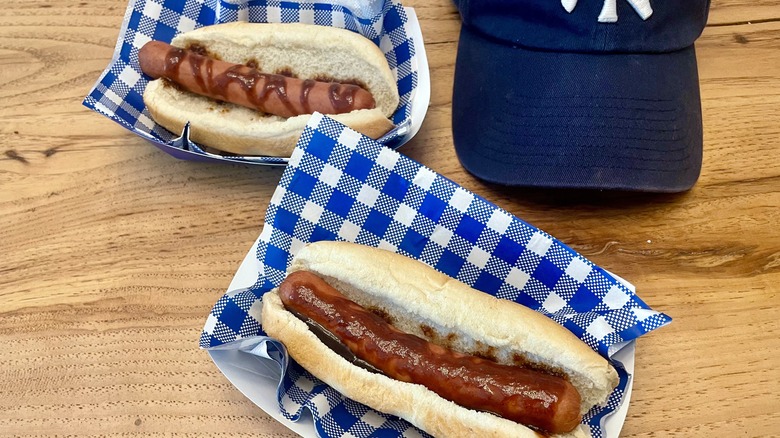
(112, 252)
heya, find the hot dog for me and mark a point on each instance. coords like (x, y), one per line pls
(246, 86)
(448, 358)
(249, 88)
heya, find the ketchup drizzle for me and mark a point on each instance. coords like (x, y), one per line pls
(257, 86)
(519, 394)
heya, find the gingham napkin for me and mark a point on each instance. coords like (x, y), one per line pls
(119, 90)
(340, 185)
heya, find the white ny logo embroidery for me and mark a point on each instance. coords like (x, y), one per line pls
(609, 11)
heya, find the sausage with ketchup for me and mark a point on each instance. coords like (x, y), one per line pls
(246, 86)
(449, 359)
(250, 88)
(527, 396)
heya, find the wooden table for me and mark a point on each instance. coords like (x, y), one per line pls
(113, 252)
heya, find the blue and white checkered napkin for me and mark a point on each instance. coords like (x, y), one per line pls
(340, 185)
(119, 90)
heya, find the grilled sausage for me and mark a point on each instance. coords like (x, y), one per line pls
(534, 398)
(246, 86)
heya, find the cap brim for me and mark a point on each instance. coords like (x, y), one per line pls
(573, 120)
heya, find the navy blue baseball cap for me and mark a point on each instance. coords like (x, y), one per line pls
(600, 94)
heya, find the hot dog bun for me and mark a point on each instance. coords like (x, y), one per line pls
(302, 50)
(431, 305)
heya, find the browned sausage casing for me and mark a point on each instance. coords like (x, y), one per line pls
(529, 397)
(246, 86)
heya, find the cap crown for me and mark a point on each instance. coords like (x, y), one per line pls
(631, 26)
